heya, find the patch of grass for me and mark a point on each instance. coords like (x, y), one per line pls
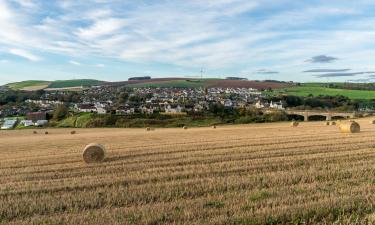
(258, 196)
(214, 204)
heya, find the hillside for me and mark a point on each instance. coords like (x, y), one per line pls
(32, 85)
(250, 174)
(29, 85)
(204, 83)
(317, 89)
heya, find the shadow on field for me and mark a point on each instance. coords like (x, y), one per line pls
(116, 158)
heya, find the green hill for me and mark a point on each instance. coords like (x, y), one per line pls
(317, 89)
(32, 85)
(74, 83)
(27, 84)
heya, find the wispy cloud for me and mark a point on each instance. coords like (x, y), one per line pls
(343, 74)
(25, 54)
(75, 63)
(265, 71)
(322, 59)
(326, 70)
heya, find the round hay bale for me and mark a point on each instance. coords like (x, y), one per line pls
(185, 127)
(73, 132)
(35, 132)
(214, 126)
(93, 153)
(333, 123)
(372, 122)
(327, 123)
(46, 132)
(148, 128)
(350, 127)
(294, 124)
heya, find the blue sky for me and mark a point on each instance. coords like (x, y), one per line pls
(312, 40)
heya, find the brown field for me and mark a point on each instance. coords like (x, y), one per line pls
(250, 174)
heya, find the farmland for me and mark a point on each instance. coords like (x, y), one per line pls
(319, 89)
(248, 174)
(33, 85)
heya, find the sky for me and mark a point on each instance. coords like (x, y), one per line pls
(112, 40)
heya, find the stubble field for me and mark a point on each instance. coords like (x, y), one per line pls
(250, 174)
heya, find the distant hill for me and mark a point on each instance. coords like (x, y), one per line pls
(33, 85)
(204, 83)
(74, 83)
(79, 84)
(29, 85)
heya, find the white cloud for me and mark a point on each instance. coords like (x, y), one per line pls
(25, 54)
(220, 34)
(74, 63)
(26, 3)
(101, 28)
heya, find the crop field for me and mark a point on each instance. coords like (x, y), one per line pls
(247, 174)
(318, 89)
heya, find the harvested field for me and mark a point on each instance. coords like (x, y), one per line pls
(250, 174)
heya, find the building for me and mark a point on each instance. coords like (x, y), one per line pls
(9, 124)
(87, 108)
(278, 105)
(27, 123)
(35, 116)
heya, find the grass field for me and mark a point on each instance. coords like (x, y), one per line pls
(74, 83)
(30, 84)
(319, 89)
(172, 83)
(33, 85)
(249, 174)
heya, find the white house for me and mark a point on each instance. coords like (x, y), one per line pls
(8, 124)
(278, 105)
(125, 111)
(101, 110)
(40, 123)
(27, 123)
(169, 109)
(259, 105)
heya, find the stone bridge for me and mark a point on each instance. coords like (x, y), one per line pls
(328, 114)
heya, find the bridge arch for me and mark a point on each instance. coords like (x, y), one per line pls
(317, 117)
(296, 117)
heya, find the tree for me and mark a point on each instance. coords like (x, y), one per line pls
(60, 112)
(123, 97)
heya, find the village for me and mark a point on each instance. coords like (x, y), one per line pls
(132, 101)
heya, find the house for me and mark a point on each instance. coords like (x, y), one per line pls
(40, 123)
(169, 109)
(87, 108)
(125, 110)
(278, 105)
(228, 103)
(27, 123)
(259, 105)
(101, 110)
(35, 116)
(146, 110)
(8, 124)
